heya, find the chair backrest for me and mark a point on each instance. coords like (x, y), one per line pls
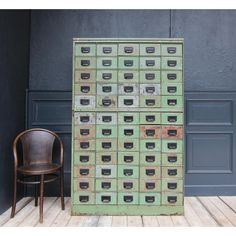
(37, 146)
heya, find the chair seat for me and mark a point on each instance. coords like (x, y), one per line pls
(38, 169)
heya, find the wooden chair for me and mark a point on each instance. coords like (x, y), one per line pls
(35, 164)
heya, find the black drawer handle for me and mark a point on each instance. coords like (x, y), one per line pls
(150, 89)
(150, 172)
(128, 49)
(150, 132)
(84, 171)
(106, 119)
(106, 132)
(106, 172)
(171, 89)
(128, 199)
(171, 76)
(85, 76)
(150, 159)
(128, 76)
(128, 102)
(172, 159)
(128, 89)
(128, 185)
(172, 118)
(150, 185)
(85, 62)
(171, 63)
(106, 158)
(172, 172)
(106, 62)
(84, 185)
(84, 89)
(106, 145)
(128, 145)
(106, 102)
(128, 172)
(150, 102)
(106, 199)
(171, 102)
(128, 119)
(149, 199)
(172, 145)
(172, 185)
(106, 89)
(84, 158)
(128, 132)
(85, 49)
(84, 119)
(84, 145)
(172, 199)
(150, 76)
(106, 185)
(150, 49)
(171, 50)
(84, 132)
(150, 118)
(84, 102)
(107, 76)
(83, 198)
(150, 63)
(172, 132)
(150, 145)
(128, 63)
(128, 159)
(107, 50)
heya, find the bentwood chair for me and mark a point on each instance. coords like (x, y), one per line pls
(34, 164)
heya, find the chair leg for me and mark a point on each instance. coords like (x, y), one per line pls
(41, 199)
(62, 189)
(13, 210)
(36, 193)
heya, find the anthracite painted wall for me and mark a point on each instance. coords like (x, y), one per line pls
(14, 61)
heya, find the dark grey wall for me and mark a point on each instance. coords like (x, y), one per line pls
(14, 55)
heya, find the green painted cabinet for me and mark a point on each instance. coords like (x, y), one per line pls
(127, 129)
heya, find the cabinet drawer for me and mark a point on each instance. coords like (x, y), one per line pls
(106, 171)
(84, 171)
(106, 89)
(175, 132)
(171, 63)
(85, 49)
(107, 76)
(84, 145)
(128, 131)
(128, 118)
(172, 89)
(150, 89)
(83, 198)
(84, 118)
(150, 131)
(152, 77)
(106, 198)
(172, 118)
(85, 63)
(171, 145)
(84, 132)
(150, 185)
(128, 49)
(128, 198)
(106, 101)
(128, 158)
(150, 118)
(128, 101)
(172, 199)
(106, 131)
(84, 102)
(104, 185)
(172, 102)
(172, 159)
(125, 76)
(85, 89)
(150, 101)
(81, 184)
(125, 171)
(153, 145)
(84, 158)
(85, 76)
(171, 50)
(150, 172)
(150, 198)
(129, 89)
(150, 49)
(105, 158)
(172, 185)
(127, 63)
(128, 185)
(171, 76)
(150, 63)
(107, 63)
(106, 145)
(128, 145)
(172, 172)
(106, 118)
(107, 50)
(150, 159)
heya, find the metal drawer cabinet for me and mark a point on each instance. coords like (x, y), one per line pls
(172, 132)
(106, 118)
(150, 159)
(85, 89)
(128, 63)
(106, 198)
(172, 89)
(84, 145)
(84, 76)
(83, 184)
(128, 101)
(150, 145)
(150, 199)
(150, 118)
(106, 131)
(150, 63)
(128, 89)
(128, 131)
(104, 101)
(150, 185)
(128, 145)
(106, 171)
(106, 50)
(125, 49)
(150, 101)
(153, 49)
(172, 185)
(149, 76)
(85, 63)
(108, 145)
(172, 172)
(128, 198)
(106, 63)
(84, 158)
(172, 199)
(128, 118)
(171, 63)
(150, 172)
(87, 118)
(171, 76)
(106, 76)
(84, 171)
(106, 158)
(85, 49)
(150, 131)
(172, 159)
(128, 185)
(125, 171)
(84, 198)
(84, 102)
(172, 145)
(106, 185)
(172, 118)
(171, 49)
(106, 89)
(128, 158)
(150, 89)
(172, 102)
(84, 132)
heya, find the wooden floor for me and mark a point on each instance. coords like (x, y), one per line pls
(199, 211)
